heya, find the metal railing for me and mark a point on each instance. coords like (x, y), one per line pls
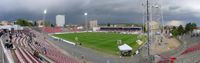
(7, 56)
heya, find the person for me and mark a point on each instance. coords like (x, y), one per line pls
(36, 42)
(31, 39)
(6, 44)
(10, 45)
(36, 53)
(82, 56)
(16, 35)
(10, 36)
(45, 50)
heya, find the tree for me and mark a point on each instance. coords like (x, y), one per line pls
(180, 30)
(52, 25)
(23, 22)
(174, 31)
(30, 24)
(189, 27)
(144, 29)
(194, 25)
(108, 24)
(35, 23)
(173, 27)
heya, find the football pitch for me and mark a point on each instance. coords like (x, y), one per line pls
(101, 41)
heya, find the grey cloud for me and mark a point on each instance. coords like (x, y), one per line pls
(174, 8)
(103, 10)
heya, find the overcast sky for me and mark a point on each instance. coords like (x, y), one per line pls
(105, 11)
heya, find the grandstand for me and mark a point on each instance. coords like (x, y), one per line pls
(52, 29)
(191, 49)
(120, 28)
(28, 46)
(23, 48)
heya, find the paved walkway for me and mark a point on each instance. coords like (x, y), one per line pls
(1, 54)
(167, 45)
(161, 44)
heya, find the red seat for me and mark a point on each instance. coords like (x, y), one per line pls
(52, 30)
(191, 49)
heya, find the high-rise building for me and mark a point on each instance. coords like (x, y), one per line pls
(93, 23)
(60, 20)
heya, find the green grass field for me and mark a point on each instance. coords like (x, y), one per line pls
(100, 41)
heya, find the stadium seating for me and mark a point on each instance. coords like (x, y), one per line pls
(24, 51)
(52, 30)
(166, 59)
(23, 55)
(119, 29)
(191, 49)
(55, 55)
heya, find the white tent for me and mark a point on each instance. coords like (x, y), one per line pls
(124, 47)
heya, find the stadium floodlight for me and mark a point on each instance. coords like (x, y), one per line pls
(86, 23)
(85, 14)
(45, 11)
(148, 29)
(44, 15)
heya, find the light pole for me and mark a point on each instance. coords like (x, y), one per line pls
(86, 22)
(148, 31)
(44, 15)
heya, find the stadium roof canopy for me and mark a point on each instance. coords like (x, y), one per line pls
(124, 47)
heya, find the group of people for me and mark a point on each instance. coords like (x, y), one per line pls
(195, 35)
(31, 42)
(10, 34)
(8, 42)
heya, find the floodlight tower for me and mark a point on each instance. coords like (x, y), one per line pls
(86, 21)
(143, 17)
(148, 20)
(157, 14)
(148, 30)
(44, 15)
(154, 26)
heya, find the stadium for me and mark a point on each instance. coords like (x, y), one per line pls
(104, 40)
(98, 31)
(28, 44)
